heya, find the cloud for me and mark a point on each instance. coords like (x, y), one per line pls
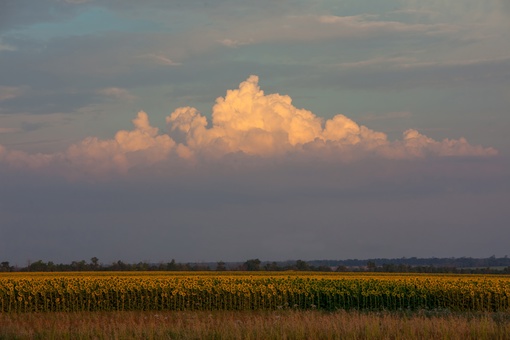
(9, 92)
(378, 62)
(23, 13)
(22, 160)
(407, 73)
(5, 47)
(246, 121)
(364, 24)
(75, 1)
(46, 101)
(387, 115)
(313, 27)
(234, 43)
(117, 93)
(9, 130)
(478, 20)
(407, 63)
(141, 146)
(416, 12)
(159, 59)
(414, 144)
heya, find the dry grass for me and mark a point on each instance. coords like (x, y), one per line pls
(252, 325)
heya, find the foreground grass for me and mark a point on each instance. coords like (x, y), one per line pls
(284, 324)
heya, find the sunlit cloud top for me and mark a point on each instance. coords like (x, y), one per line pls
(245, 120)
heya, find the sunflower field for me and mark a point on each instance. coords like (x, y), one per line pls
(46, 292)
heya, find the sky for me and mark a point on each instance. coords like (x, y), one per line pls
(228, 130)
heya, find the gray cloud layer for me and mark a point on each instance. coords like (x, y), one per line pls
(274, 211)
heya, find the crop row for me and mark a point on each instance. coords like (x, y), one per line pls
(262, 292)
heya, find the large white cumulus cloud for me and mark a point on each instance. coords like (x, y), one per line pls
(139, 147)
(249, 121)
(244, 121)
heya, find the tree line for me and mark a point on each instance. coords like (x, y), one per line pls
(491, 265)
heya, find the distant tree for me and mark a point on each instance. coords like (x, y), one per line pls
(220, 266)
(51, 266)
(78, 265)
(404, 268)
(273, 266)
(94, 263)
(5, 267)
(302, 265)
(141, 266)
(341, 269)
(172, 265)
(389, 267)
(252, 265)
(371, 266)
(38, 266)
(323, 268)
(119, 265)
(199, 267)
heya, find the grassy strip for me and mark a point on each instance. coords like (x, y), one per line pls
(254, 325)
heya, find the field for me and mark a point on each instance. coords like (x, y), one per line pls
(263, 325)
(265, 305)
(209, 291)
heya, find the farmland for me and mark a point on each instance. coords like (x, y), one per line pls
(263, 325)
(254, 305)
(261, 291)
